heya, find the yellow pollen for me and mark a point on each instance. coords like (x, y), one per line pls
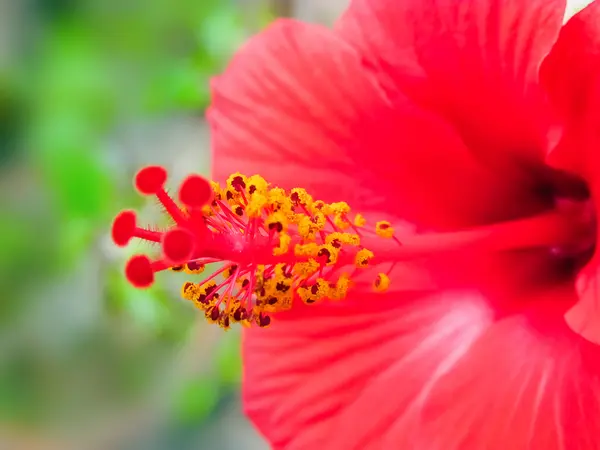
(190, 291)
(339, 290)
(319, 206)
(306, 269)
(363, 257)
(256, 185)
(278, 292)
(278, 200)
(299, 196)
(340, 208)
(213, 314)
(277, 222)
(359, 221)
(381, 283)
(314, 293)
(284, 245)
(310, 249)
(341, 221)
(308, 227)
(225, 322)
(216, 188)
(329, 253)
(237, 182)
(193, 268)
(337, 239)
(384, 229)
(199, 294)
(229, 271)
(209, 210)
(255, 207)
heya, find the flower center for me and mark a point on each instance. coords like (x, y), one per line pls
(574, 255)
(275, 247)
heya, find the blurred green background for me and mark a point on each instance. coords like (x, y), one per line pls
(90, 90)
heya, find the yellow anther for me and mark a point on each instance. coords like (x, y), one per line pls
(209, 210)
(310, 249)
(319, 220)
(299, 196)
(193, 268)
(259, 273)
(322, 288)
(177, 268)
(243, 282)
(306, 269)
(217, 191)
(314, 293)
(229, 271)
(340, 208)
(278, 291)
(384, 229)
(212, 314)
(359, 221)
(341, 221)
(293, 218)
(337, 239)
(256, 206)
(305, 228)
(225, 322)
(281, 270)
(340, 289)
(190, 291)
(322, 207)
(231, 304)
(277, 222)
(237, 182)
(207, 287)
(308, 227)
(381, 283)
(284, 244)
(262, 320)
(278, 200)
(329, 254)
(282, 304)
(256, 185)
(363, 257)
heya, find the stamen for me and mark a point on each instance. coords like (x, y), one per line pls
(279, 247)
(381, 283)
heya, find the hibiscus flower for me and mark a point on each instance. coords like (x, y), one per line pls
(420, 273)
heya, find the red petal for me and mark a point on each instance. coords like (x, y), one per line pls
(286, 106)
(518, 389)
(474, 61)
(417, 372)
(301, 374)
(571, 74)
(584, 317)
(297, 106)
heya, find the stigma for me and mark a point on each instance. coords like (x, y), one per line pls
(251, 249)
